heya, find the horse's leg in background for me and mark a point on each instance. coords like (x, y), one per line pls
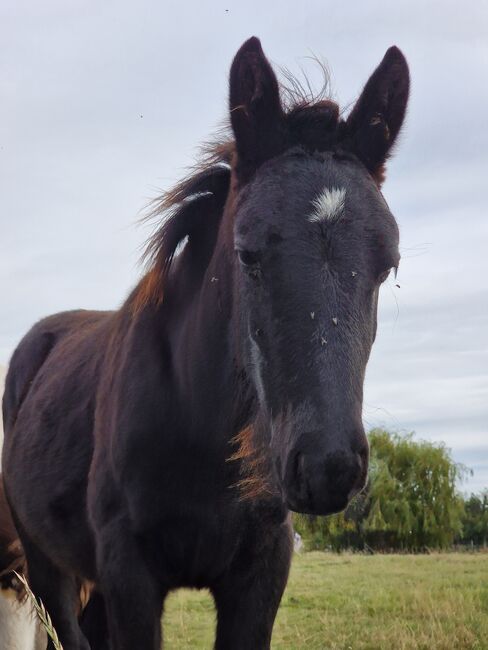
(133, 596)
(93, 622)
(59, 593)
(247, 599)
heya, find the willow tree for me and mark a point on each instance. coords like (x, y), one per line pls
(412, 498)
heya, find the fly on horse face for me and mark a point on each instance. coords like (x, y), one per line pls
(164, 444)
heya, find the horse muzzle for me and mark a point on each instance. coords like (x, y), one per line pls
(322, 482)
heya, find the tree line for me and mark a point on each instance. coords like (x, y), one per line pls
(411, 502)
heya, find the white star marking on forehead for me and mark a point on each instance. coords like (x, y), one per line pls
(328, 206)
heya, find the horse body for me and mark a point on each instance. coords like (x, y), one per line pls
(93, 361)
(163, 444)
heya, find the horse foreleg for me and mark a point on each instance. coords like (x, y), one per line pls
(248, 597)
(93, 622)
(133, 598)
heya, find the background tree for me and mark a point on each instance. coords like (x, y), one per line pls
(475, 520)
(413, 500)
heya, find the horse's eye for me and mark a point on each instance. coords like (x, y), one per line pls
(248, 258)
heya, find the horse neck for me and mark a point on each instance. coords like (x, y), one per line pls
(204, 342)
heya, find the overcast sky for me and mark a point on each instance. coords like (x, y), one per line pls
(103, 103)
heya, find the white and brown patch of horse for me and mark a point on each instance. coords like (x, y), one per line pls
(19, 627)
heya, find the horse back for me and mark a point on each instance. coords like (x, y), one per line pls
(34, 349)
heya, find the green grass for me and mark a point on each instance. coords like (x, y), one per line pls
(394, 602)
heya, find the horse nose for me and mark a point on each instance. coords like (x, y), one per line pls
(323, 483)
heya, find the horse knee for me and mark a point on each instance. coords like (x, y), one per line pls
(132, 595)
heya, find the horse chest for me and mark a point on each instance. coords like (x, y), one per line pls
(194, 550)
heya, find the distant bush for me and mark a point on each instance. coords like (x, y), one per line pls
(410, 503)
(475, 520)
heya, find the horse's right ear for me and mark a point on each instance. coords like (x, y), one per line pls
(255, 108)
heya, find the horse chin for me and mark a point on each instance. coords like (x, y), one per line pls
(327, 506)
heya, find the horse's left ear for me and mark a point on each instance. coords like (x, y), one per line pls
(255, 108)
(376, 119)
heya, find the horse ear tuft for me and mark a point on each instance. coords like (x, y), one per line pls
(255, 108)
(376, 119)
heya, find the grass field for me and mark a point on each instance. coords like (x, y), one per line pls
(345, 602)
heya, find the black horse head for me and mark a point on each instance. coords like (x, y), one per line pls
(314, 239)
